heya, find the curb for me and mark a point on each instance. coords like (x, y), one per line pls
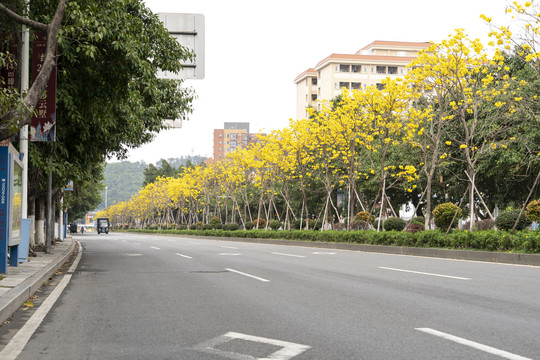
(12, 300)
(469, 255)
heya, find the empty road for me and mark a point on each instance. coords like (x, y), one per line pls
(159, 297)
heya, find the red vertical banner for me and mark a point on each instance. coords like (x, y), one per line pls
(43, 125)
(9, 72)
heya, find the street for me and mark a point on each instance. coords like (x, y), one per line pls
(162, 297)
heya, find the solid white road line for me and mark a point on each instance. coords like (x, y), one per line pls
(291, 255)
(184, 256)
(248, 275)
(473, 344)
(229, 254)
(424, 273)
(323, 253)
(19, 341)
(229, 247)
(153, 247)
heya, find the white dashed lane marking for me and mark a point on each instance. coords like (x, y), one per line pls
(248, 275)
(475, 345)
(424, 273)
(291, 255)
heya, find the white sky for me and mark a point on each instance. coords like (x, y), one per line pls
(255, 49)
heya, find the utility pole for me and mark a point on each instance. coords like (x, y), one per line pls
(23, 142)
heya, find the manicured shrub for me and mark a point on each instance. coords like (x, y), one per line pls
(444, 213)
(207, 227)
(181, 227)
(364, 216)
(533, 210)
(274, 224)
(414, 227)
(231, 227)
(507, 219)
(339, 226)
(486, 224)
(249, 225)
(261, 222)
(394, 223)
(419, 220)
(214, 222)
(359, 225)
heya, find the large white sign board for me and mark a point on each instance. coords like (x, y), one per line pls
(188, 29)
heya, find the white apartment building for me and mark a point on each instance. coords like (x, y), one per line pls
(368, 66)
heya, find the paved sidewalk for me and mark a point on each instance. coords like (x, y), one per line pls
(22, 281)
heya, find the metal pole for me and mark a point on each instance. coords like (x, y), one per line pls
(25, 70)
(106, 187)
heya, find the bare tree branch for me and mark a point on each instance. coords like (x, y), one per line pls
(22, 20)
(13, 120)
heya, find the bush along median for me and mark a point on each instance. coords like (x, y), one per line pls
(488, 240)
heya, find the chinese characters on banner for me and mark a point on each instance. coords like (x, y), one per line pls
(43, 124)
(9, 72)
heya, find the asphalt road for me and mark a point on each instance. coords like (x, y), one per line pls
(155, 297)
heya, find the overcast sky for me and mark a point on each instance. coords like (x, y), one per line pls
(255, 49)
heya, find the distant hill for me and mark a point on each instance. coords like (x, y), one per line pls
(125, 179)
(182, 161)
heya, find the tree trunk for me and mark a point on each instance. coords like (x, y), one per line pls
(40, 222)
(32, 217)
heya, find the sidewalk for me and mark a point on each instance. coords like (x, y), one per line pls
(22, 281)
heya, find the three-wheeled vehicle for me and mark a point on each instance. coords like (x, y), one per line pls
(102, 225)
(72, 228)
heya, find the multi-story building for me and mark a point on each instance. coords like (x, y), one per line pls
(233, 136)
(368, 66)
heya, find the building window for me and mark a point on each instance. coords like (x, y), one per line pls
(343, 84)
(233, 143)
(381, 69)
(313, 81)
(356, 85)
(313, 97)
(233, 136)
(220, 135)
(392, 70)
(401, 71)
(356, 68)
(344, 68)
(401, 53)
(336, 86)
(220, 142)
(380, 86)
(372, 69)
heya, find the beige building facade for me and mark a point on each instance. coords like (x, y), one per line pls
(368, 66)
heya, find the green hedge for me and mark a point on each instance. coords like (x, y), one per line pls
(489, 240)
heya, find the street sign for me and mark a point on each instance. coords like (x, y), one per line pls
(188, 29)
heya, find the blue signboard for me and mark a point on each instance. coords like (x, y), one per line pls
(10, 206)
(4, 202)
